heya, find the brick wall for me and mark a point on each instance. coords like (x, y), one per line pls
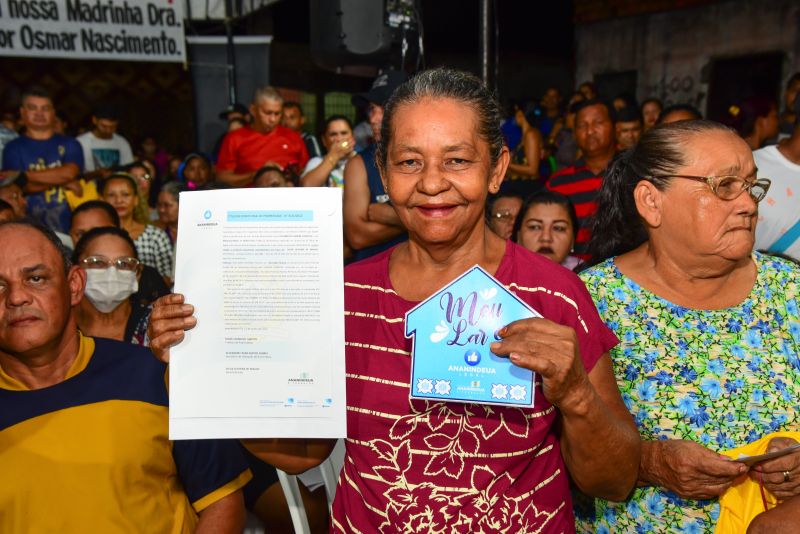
(673, 51)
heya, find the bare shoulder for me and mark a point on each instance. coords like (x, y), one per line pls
(355, 166)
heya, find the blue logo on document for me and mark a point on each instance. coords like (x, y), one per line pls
(472, 357)
(290, 400)
(207, 215)
(328, 401)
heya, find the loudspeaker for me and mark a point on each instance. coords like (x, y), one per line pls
(349, 32)
(208, 64)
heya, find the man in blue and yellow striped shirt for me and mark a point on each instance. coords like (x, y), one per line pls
(83, 421)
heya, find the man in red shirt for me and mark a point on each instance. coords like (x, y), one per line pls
(246, 150)
(581, 181)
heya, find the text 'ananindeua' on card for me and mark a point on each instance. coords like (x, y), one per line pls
(263, 270)
(452, 331)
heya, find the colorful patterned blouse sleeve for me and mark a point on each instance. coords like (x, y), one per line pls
(596, 339)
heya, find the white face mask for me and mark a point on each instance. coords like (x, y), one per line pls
(108, 288)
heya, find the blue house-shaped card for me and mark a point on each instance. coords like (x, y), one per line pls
(452, 331)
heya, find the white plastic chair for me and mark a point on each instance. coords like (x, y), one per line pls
(296, 508)
(329, 471)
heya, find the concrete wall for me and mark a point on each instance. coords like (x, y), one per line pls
(672, 50)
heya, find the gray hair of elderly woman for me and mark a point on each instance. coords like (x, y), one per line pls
(617, 226)
(443, 83)
(174, 189)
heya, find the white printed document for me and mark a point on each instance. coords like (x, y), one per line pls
(263, 270)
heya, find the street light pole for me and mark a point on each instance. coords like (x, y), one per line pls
(231, 49)
(484, 46)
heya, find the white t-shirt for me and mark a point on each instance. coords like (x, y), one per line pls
(780, 209)
(104, 153)
(335, 178)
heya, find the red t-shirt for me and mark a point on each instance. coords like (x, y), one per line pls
(246, 150)
(419, 466)
(582, 186)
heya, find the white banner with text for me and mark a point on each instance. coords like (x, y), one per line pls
(124, 30)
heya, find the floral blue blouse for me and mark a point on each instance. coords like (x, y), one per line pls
(722, 378)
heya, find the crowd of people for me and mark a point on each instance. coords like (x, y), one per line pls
(673, 350)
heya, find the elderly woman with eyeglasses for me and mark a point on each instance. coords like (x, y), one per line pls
(709, 329)
(108, 256)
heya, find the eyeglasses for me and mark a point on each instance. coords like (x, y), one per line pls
(101, 262)
(729, 187)
(503, 215)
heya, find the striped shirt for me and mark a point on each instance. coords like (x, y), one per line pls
(581, 185)
(92, 454)
(420, 466)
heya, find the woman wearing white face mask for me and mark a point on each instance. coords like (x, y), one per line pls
(112, 267)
